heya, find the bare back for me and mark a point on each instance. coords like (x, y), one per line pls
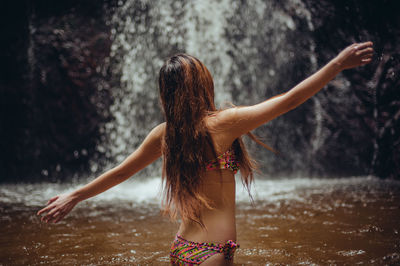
(219, 187)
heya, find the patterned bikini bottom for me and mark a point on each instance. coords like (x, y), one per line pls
(185, 252)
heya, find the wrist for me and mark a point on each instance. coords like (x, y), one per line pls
(337, 64)
(76, 196)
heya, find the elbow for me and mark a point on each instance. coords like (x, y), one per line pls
(293, 100)
(290, 102)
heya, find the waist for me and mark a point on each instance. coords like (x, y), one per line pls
(220, 225)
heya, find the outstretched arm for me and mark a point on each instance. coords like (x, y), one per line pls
(244, 119)
(149, 151)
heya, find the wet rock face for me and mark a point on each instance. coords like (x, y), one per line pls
(366, 131)
(78, 90)
(58, 97)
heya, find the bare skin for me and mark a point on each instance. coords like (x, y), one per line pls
(224, 128)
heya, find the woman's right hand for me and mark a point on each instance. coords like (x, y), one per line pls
(355, 55)
(57, 207)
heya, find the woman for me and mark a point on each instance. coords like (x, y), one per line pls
(202, 150)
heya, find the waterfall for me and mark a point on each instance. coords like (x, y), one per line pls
(249, 49)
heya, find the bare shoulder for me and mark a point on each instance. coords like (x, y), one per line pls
(154, 138)
(227, 119)
(221, 126)
(223, 118)
(159, 130)
(240, 120)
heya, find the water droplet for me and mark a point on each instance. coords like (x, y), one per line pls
(93, 168)
(271, 72)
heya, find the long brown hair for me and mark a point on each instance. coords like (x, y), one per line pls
(187, 97)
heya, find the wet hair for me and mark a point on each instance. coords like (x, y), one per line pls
(187, 97)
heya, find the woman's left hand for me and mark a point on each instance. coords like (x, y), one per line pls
(355, 55)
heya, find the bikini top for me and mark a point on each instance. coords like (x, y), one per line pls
(227, 160)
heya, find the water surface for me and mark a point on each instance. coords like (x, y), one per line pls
(293, 221)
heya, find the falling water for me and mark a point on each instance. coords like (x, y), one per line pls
(249, 49)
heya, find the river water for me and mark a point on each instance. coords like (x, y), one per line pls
(292, 221)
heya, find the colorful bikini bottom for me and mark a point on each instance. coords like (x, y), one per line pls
(185, 252)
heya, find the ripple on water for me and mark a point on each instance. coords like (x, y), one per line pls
(300, 221)
(348, 253)
(268, 228)
(392, 257)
